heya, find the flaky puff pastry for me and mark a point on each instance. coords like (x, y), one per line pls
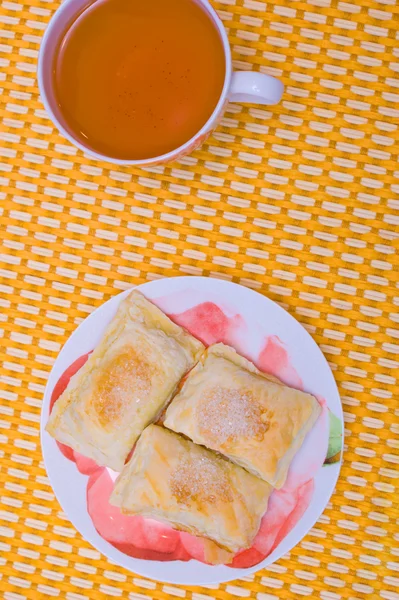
(170, 479)
(228, 405)
(125, 383)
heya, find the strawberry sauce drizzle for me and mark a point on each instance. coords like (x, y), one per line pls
(148, 539)
(274, 360)
(208, 323)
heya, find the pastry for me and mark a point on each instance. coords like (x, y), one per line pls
(125, 383)
(228, 405)
(170, 479)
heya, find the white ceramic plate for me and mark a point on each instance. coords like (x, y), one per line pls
(258, 318)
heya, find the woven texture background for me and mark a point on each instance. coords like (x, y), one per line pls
(298, 201)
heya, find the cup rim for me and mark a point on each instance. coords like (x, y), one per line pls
(140, 161)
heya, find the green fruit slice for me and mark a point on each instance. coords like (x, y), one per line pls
(334, 440)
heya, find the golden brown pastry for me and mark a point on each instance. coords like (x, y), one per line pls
(125, 384)
(228, 405)
(193, 489)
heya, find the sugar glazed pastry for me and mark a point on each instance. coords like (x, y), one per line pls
(125, 383)
(228, 405)
(193, 489)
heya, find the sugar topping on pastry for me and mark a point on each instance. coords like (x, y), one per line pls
(197, 478)
(229, 414)
(112, 393)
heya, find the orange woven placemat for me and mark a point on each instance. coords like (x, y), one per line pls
(298, 201)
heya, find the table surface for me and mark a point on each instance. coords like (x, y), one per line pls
(298, 201)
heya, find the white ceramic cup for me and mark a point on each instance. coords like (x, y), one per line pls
(241, 86)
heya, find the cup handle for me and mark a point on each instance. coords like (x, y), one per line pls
(258, 88)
